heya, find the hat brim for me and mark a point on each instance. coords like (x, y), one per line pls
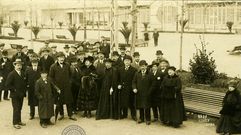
(18, 62)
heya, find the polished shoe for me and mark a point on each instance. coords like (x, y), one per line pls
(140, 121)
(72, 118)
(43, 125)
(31, 118)
(61, 117)
(17, 126)
(21, 124)
(148, 123)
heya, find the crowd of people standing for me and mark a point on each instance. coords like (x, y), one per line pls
(110, 84)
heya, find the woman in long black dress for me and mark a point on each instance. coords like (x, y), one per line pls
(173, 112)
(107, 107)
(87, 98)
(230, 120)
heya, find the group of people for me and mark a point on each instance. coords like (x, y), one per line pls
(111, 84)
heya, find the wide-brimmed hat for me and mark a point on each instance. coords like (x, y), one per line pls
(142, 62)
(159, 52)
(136, 54)
(171, 68)
(18, 61)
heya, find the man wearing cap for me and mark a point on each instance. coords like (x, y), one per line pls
(46, 60)
(141, 87)
(60, 74)
(6, 67)
(136, 60)
(100, 69)
(32, 74)
(16, 83)
(126, 75)
(105, 48)
(22, 56)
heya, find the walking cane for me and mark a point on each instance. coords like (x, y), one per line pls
(119, 100)
(135, 105)
(111, 106)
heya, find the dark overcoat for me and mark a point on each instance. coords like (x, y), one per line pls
(31, 77)
(45, 94)
(45, 64)
(4, 71)
(61, 78)
(16, 84)
(142, 83)
(125, 78)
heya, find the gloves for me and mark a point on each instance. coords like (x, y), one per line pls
(119, 87)
(135, 90)
(111, 91)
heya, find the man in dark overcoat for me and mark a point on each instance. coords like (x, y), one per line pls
(46, 60)
(141, 86)
(126, 75)
(45, 91)
(22, 56)
(16, 83)
(32, 75)
(6, 67)
(60, 75)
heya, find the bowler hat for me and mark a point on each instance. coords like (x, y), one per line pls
(73, 59)
(46, 42)
(115, 53)
(154, 63)
(159, 52)
(19, 47)
(142, 62)
(108, 60)
(89, 58)
(122, 48)
(136, 54)
(34, 61)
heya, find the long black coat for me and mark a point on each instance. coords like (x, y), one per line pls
(16, 84)
(156, 88)
(230, 120)
(142, 84)
(87, 98)
(125, 78)
(61, 78)
(45, 94)
(31, 77)
(108, 105)
(4, 71)
(172, 106)
(45, 64)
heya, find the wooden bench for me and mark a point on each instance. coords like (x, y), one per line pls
(11, 34)
(203, 101)
(61, 37)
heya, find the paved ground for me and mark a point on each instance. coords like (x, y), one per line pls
(93, 127)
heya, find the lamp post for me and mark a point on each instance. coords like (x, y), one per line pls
(84, 14)
(181, 37)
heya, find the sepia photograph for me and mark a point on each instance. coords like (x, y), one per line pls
(120, 67)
